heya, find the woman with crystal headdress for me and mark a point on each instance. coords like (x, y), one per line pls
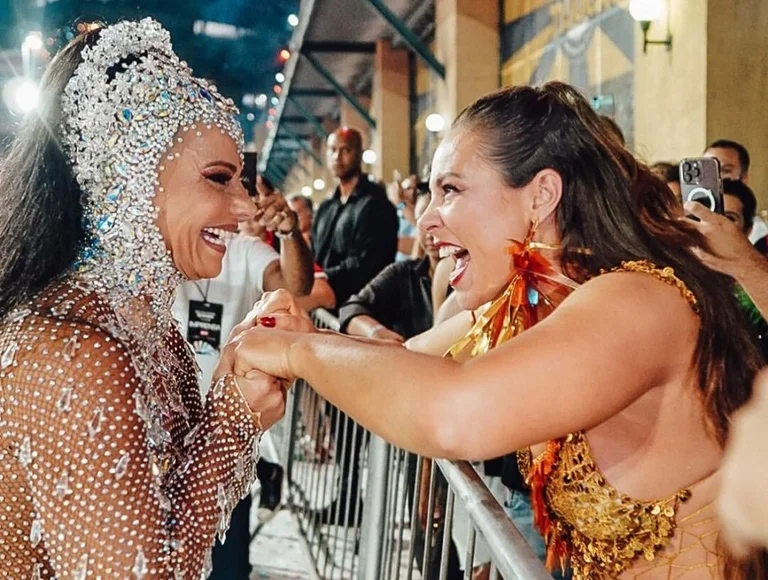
(601, 348)
(122, 185)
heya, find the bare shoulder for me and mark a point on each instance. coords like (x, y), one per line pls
(634, 292)
(439, 339)
(632, 308)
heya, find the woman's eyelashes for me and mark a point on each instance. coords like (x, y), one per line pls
(218, 177)
(449, 188)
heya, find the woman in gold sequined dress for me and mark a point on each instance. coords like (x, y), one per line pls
(124, 183)
(599, 347)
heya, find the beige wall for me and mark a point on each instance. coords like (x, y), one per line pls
(670, 87)
(737, 87)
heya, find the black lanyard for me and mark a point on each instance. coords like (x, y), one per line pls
(204, 294)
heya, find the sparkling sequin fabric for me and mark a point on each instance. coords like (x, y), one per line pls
(110, 465)
(602, 533)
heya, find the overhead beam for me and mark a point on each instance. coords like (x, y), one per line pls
(319, 129)
(343, 92)
(306, 9)
(313, 92)
(275, 175)
(303, 145)
(409, 37)
(287, 138)
(338, 46)
(299, 118)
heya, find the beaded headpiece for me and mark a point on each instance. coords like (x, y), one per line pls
(125, 104)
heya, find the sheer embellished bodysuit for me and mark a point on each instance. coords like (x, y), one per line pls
(601, 533)
(110, 465)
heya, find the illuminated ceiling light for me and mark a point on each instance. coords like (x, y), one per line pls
(280, 77)
(34, 41)
(249, 100)
(270, 124)
(261, 101)
(21, 95)
(435, 122)
(250, 116)
(293, 20)
(306, 191)
(278, 89)
(272, 112)
(274, 100)
(318, 184)
(369, 156)
(285, 54)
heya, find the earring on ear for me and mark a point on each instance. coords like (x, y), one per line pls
(532, 229)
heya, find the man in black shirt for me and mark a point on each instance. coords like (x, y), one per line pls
(396, 304)
(354, 235)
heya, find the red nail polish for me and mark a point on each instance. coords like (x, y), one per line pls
(268, 321)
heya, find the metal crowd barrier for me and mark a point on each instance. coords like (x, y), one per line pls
(357, 500)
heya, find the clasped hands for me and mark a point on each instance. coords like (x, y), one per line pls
(258, 352)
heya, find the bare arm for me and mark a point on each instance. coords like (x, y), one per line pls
(604, 347)
(294, 270)
(321, 296)
(367, 326)
(732, 254)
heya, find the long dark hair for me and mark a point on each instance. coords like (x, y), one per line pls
(41, 227)
(617, 208)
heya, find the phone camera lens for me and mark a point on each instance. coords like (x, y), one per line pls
(696, 171)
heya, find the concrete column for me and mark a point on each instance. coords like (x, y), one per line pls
(467, 43)
(391, 106)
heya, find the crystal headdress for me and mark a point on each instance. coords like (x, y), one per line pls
(129, 101)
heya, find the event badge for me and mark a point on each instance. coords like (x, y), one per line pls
(204, 330)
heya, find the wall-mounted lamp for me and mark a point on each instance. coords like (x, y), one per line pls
(645, 12)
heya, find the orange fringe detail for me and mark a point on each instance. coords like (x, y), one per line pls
(543, 465)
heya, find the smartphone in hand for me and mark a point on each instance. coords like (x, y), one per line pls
(700, 181)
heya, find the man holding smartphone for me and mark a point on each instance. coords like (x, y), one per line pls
(728, 237)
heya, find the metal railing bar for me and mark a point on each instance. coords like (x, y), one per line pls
(469, 562)
(513, 556)
(430, 517)
(403, 502)
(447, 529)
(415, 514)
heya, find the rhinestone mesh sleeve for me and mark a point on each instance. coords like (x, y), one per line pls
(91, 485)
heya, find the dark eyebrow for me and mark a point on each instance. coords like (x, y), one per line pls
(442, 176)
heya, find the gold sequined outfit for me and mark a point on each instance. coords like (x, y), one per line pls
(602, 533)
(110, 466)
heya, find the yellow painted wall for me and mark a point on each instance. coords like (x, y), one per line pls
(588, 43)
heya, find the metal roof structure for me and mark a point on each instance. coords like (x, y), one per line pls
(332, 58)
(234, 43)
